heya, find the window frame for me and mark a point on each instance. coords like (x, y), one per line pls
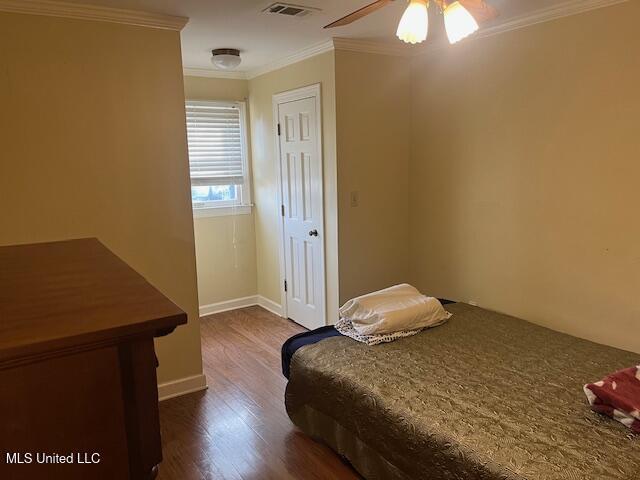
(215, 208)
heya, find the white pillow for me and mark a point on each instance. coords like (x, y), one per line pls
(394, 309)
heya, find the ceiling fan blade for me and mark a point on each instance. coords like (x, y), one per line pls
(358, 14)
(480, 10)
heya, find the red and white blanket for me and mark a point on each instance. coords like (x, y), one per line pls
(618, 396)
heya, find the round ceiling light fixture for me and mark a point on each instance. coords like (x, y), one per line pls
(225, 58)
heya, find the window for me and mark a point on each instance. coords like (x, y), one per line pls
(218, 157)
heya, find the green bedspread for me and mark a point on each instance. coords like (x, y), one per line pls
(485, 396)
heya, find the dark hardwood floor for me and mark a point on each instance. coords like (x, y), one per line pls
(238, 428)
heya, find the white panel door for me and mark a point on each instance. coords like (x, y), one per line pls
(301, 170)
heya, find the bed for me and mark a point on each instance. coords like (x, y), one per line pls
(485, 396)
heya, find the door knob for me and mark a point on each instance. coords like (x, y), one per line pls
(313, 233)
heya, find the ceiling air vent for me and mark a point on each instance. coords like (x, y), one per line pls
(289, 10)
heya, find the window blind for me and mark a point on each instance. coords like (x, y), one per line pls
(215, 144)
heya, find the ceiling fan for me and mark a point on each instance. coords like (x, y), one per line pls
(461, 18)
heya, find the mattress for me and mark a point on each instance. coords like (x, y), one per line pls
(485, 396)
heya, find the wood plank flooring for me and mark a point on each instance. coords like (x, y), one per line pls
(238, 429)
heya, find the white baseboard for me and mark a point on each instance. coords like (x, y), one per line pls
(182, 386)
(228, 305)
(236, 303)
(270, 305)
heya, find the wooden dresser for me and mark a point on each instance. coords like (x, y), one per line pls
(78, 393)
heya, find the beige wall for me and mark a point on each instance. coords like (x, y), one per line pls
(226, 258)
(93, 143)
(204, 88)
(373, 140)
(524, 174)
(225, 246)
(318, 69)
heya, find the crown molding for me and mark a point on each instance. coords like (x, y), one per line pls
(93, 12)
(303, 54)
(210, 73)
(348, 44)
(554, 12)
(368, 46)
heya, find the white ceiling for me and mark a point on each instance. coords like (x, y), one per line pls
(264, 38)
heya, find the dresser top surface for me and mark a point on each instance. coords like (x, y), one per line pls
(63, 294)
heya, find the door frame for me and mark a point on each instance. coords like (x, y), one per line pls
(310, 91)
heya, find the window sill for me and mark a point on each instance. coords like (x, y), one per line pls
(221, 211)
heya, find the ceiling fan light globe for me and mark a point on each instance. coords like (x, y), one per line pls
(414, 24)
(458, 22)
